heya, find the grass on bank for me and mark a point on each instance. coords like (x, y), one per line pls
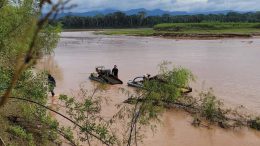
(208, 28)
(128, 31)
(205, 26)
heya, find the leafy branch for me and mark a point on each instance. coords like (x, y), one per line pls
(29, 56)
(67, 118)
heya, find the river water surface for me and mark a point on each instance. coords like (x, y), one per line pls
(229, 66)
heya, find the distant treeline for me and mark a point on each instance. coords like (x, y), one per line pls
(121, 20)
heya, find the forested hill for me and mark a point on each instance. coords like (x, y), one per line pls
(122, 20)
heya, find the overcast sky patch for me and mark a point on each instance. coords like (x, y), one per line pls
(170, 5)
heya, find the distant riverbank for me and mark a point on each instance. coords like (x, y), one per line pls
(179, 35)
(187, 30)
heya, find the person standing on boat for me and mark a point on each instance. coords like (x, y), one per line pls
(115, 71)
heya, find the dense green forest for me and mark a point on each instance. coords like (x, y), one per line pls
(121, 20)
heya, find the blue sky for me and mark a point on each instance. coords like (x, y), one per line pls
(171, 5)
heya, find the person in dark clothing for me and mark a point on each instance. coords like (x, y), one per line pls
(115, 71)
(52, 84)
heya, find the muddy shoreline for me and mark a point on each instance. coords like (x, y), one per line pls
(202, 36)
(184, 36)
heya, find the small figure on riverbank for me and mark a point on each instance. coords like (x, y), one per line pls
(115, 71)
(52, 84)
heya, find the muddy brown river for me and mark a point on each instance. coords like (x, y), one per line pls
(229, 66)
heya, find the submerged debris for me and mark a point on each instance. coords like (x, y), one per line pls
(255, 123)
(207, 109)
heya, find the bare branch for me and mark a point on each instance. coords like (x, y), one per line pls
(136, 115)
(2, 142)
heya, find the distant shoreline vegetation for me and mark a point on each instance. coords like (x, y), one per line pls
(203, 30)
(205, 26)
(202, 26)
(141, 20)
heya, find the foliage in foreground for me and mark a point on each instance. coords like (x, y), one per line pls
(84, 111)
(29, 124)
(21, 133)
(24, 38)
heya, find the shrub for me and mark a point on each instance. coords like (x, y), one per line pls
(21, 133)
(255, 123)
(211, 108)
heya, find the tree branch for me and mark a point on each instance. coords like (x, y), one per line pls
(2, 142)
(74, 122)
(29, 55)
